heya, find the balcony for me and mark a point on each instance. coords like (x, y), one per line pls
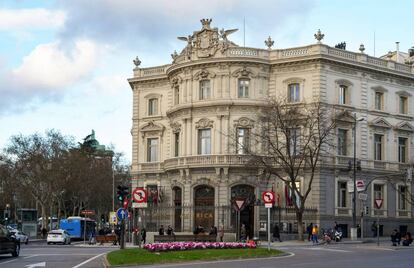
(206, 160)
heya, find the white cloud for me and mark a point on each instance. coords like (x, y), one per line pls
(36, 18)
(51, 66)
(109, 84)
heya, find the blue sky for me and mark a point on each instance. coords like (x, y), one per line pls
(64, 64)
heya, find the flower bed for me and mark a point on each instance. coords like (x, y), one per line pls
(196, 245)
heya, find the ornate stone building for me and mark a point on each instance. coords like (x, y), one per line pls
(185, 113)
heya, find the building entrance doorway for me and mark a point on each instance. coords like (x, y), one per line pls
(204, 207)
(245, 192)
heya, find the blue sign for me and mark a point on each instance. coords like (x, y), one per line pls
(122, 214)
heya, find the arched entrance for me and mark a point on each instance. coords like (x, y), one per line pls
(204, 206)
(177, 195)
(245, 192)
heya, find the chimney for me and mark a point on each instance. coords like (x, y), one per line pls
(398, 52)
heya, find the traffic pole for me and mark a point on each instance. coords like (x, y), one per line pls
(268, 228)
(378, 227)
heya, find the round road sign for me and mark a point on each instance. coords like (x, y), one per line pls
(268, 197)
(139, 195)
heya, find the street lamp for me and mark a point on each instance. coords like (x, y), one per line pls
(354, 224)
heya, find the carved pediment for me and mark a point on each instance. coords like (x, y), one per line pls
(244, 122)
(345, 117)
(203, 74)
(204, 123)
(380, 122)
(152, 126)
(405, 126)
(175, 81)
(243, 72)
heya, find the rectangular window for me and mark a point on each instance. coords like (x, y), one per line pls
(402, 197)
(204, 90)
(204, 141)
(403, 105)
(402, 150)
(342, 141)
(379, 100)
(243, 89)
(176, 95)
(343, 91)
(379, 192)
(152, 106)
(294, 92)
(342, 192)
(176, 144)
(294, 135)
(242, 141)
(378, 147)
(152, 150)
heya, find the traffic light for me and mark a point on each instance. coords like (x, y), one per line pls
(366, 210)
(122, 193)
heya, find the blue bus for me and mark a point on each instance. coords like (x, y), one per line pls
(75, 226)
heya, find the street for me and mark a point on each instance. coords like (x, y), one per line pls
(62, 256)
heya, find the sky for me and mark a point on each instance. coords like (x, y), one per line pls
(64, 64)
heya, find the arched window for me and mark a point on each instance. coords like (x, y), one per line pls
(204, 206)
(294, 92)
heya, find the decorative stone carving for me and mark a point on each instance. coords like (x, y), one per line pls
(362, 48)
(176, 127)
(175, 81)
(244, 122)
(379, 77)
(204, 123)
(319, 36)
(343, 70)
(152, 128)
(243, 72)
(136, 62)
(203, 74)
(404, 126)
(174, 55)
(403, 82)
(269, 42)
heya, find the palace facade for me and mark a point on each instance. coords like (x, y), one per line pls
(185, 113)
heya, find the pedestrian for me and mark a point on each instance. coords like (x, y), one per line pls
(243, 232)
(309, 231)
(44, 232)
(336, 226)
(170, 230)
(213, 230)
(315, 232)
(408, 239)
(276, 233)
(144, 235)
(161, 230)
(221, 233)
(374, 229)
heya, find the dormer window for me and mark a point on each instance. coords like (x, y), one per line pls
(403, 105)
(294, 92)
(204, 92)
(152, 106)
(343, 95)
(243, 89)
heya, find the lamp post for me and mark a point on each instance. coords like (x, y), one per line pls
(354, 224)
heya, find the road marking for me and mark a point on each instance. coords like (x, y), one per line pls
(39, 264)
(30, 256)
(327, 249)
(9, 261)
(88, 260)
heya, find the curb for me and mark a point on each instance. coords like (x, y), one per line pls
(105, 262)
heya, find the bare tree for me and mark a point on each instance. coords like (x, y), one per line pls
(289, 144)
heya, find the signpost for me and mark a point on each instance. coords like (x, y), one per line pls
(378, 205)
(238, 206)
(122, 214)
(139, 195)
(268, 198)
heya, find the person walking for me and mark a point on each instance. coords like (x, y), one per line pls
(144, 235)
(170, 230)
(374, 229)
(221, 233)
(243, 232)
(309, 231)
(315, 232)
(276, 233)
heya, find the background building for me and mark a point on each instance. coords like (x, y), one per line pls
(187, 116)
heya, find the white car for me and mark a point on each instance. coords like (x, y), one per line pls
(58, 236)
(22, 237)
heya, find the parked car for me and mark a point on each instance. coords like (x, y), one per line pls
(8, 242)
(58, 236)
(22, 237)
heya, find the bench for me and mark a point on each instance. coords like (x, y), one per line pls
(106, 238)
(185, 238)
